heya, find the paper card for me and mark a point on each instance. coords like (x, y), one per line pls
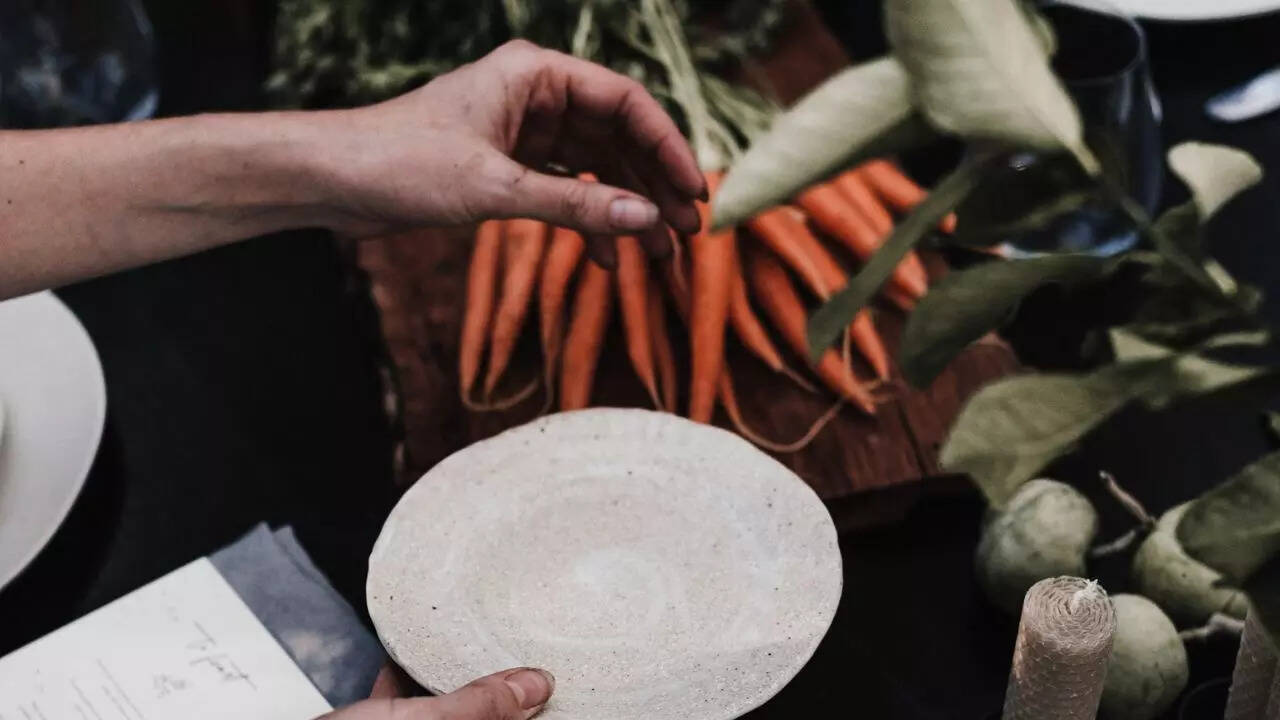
(184, 646)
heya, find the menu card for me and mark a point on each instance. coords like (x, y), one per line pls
(184, 646)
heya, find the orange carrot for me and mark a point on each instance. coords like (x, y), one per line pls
(724, 383)
(633, 299)
(837, 217)
(521, 255)
(747, 326)
(863, 332)
(712, 291)
(830, 277)
(857, 192)
(481, 277)
(592, 306)
(662, 352)
(899, 297)
(778, 229)
(899, 190)
(674, 272)
(563, 256)
(778, 297)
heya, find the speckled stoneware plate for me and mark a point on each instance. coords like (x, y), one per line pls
(659, 568)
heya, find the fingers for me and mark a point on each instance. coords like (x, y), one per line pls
(509, 695)
(647, 132)
(589, 207)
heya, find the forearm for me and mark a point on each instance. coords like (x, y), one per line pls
(83, 202)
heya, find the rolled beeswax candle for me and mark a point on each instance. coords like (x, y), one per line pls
(1251, 683)
(1060, 659)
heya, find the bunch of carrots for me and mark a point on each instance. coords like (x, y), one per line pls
(710, 281)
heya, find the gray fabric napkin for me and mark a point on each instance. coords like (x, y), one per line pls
(313, 623)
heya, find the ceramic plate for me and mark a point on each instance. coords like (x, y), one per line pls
(1191, 10)
(55, 402)
(659, 568)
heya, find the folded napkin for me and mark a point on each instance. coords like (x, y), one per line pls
(313, 623)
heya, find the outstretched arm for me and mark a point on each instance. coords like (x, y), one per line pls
(472, 144)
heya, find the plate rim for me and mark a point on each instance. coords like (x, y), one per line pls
(99, 410)
(772, 689)
(1209, 14)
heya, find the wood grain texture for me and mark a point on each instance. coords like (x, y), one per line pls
(417, 280)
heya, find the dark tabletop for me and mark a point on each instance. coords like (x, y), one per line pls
(242, 387)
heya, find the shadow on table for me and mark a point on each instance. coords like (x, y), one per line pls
(67, 566)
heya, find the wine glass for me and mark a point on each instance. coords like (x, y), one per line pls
(1101, 58)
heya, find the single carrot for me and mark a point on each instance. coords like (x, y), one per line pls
(523, 244)
(857, 191)
(481, 278)
(663, 355)
(863, 332)
(747, 326)
(778, 297)
(778, 229)
(563, 255)
(712, 254)
(837, 217)
(899, 190)
(592, 306)
(724, 383)
(633, 299)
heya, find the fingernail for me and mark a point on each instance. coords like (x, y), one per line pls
(632, 214)
(532, 687)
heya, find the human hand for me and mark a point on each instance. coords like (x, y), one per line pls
(516, 694)
(475, 143)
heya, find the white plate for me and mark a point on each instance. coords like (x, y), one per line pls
(55, 403)
(659, 568)
(1190, 10)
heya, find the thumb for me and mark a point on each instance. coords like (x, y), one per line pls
(509, 695)
(589, 207)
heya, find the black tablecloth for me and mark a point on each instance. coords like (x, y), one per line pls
(242, 387)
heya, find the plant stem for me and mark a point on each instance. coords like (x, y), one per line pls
(1218, 624)
(1119, 545)
(1127, 501)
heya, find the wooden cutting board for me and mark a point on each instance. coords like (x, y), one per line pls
(418, 282)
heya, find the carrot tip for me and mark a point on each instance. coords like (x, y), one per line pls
(504, 403)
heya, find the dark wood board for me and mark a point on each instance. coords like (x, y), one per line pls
(418, 282)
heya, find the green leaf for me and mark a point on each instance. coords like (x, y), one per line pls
(1181, 225)
(1042, 27)
(968, 304)
(1184, 374)
(1213, 173)
(1235, 529)
(978, 70)
(830, 320)
(1013, 428)
(861, 112)
(974, 232)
